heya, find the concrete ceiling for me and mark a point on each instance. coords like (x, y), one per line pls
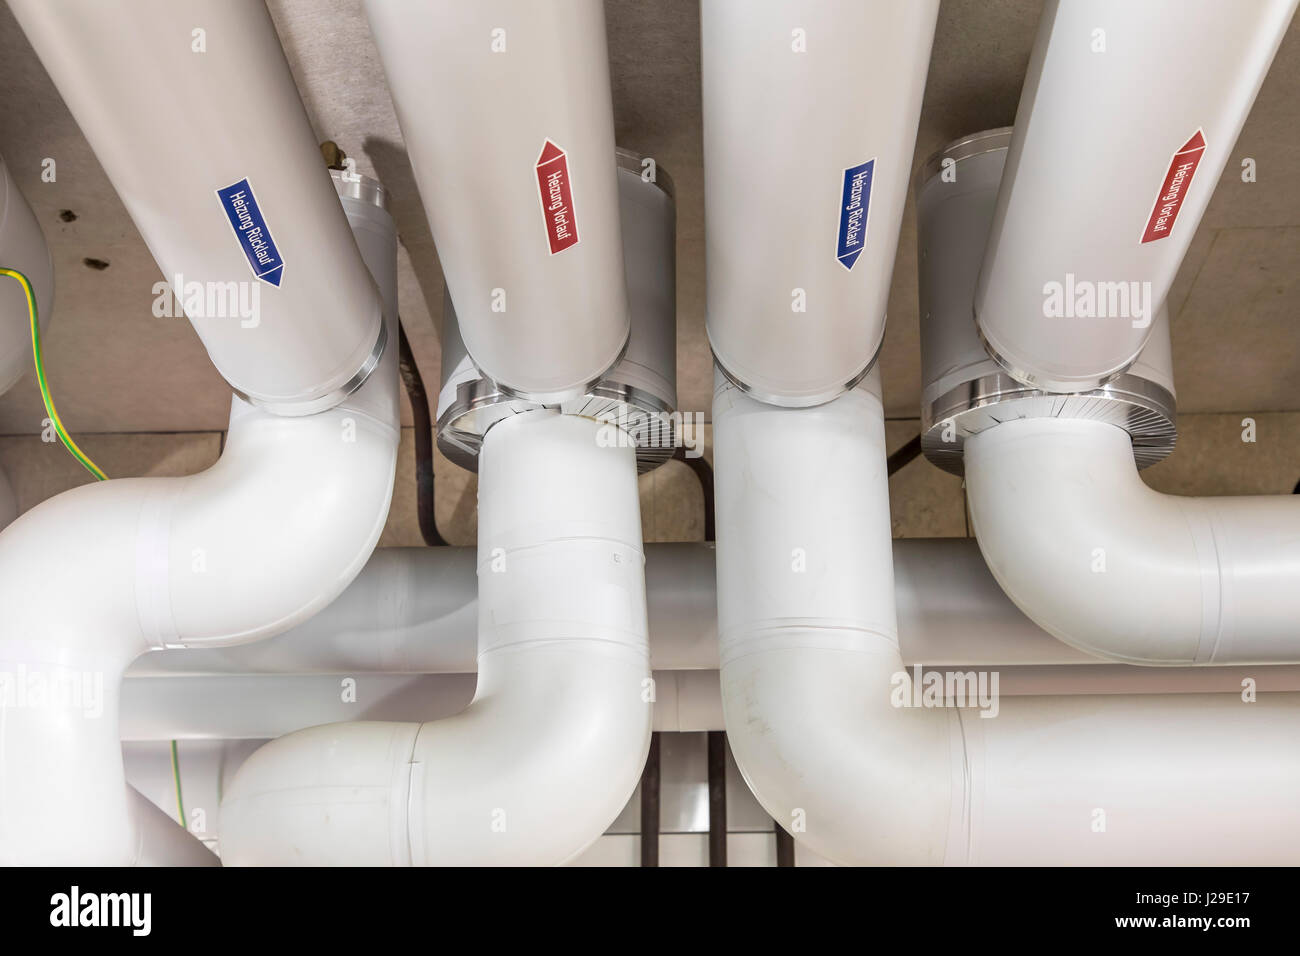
(114, 367)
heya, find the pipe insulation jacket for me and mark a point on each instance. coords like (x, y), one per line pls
(839, 748)
(22, 247)
(1103, 193)
(97, 576)
(1074, 536)
(552, 745)
(518, 179)
(414, 611)
(263, 706)
(1108, 565)
(207, 143)
(810, 118)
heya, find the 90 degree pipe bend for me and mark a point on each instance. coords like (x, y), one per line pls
(808, 635)
(96, 576)
(1106, 564)
(548, 752)
(865, 767)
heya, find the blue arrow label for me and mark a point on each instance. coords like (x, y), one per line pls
(250, 229)
(855, 203)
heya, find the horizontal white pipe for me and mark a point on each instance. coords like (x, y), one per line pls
(98, 575)
(1099, 199)
(818, 717)
(22, 247)
(210, 105)
(414, 610)
(529, 240)
(966, 619)
(1123, 572)
(263, 706)
(810, 115)
(547, 753)
(1131, 781)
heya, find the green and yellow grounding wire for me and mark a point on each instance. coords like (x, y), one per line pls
(62, 432)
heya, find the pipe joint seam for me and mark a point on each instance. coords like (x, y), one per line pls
(743, 639)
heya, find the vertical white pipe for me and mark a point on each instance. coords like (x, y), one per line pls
(810, 115)
(193, 113)
(506, 111)
(22, 247)
(1128, 117)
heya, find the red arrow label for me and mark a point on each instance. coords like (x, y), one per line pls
(1177, 181)
(556, 194)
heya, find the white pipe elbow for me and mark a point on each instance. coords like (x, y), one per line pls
(553, 744)
(845, 751)
(96, 576)
(285, 519)
(529, 774)
(808, 636)
(1092, 555)
(813, 729)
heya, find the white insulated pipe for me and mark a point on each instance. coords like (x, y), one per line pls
(207, 143)
(22, 247)
(414, 611)
(506, 110)
(96, 576)
(1108, 565)
(1071, 532)
(828, 732)
(548, 752)
(810, 117)
(263, 706)
(954, 215)
(807, 632)
(1128, 117)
